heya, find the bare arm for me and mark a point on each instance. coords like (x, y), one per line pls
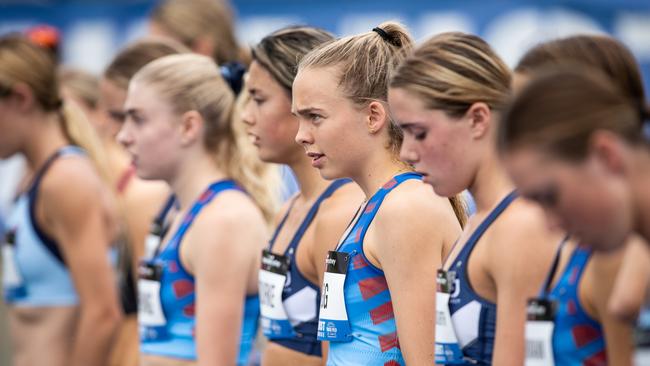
(409, 234)
(221, 248)
(520, 255)
(76, 214)
(631, 287)
(597, 287)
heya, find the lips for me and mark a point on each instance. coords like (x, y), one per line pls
(316, 159)
(254, 139)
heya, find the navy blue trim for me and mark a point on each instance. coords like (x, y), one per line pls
(551, 274)
(466, 252)
(32, 193)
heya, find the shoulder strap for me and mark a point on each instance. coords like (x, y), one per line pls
(213, 190)
(371, 209)
(314, 210)
(32, 193)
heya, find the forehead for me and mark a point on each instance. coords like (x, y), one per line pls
(258, 76)
(316, 85)
(110, 93)
(143, 96)
(406, 103)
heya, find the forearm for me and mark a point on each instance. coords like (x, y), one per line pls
(94, 336)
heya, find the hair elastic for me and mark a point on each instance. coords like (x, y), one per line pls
(387, 37)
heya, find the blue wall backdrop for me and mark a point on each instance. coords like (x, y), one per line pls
(94, 30)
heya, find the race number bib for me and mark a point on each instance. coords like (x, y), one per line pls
(333, 324)
(13, 283)
(152, 241)
(539, 332)
(448, 350)
(151, 317)
(272, 278)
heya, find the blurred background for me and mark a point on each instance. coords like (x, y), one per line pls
(92, 31)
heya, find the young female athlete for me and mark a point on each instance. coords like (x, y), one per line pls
(591, 131)
(63, 306)
(447, 97)
(293, 264)
(378, 303)
(198, 295)
(139, 200)
(595, 288)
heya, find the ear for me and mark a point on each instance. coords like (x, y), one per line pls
(479, 117)
(377, 117)
(191, 127)
(22, 97)
(204, 45)
(607, 149)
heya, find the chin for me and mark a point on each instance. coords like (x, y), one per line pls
(328, 174)
(443, 191)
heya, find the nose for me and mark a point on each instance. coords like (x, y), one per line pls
(247, 115)
(304, 136)
(408, 153)
(124, 136)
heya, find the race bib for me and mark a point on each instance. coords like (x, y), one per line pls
(152, 241)
(151, 317)
(448, 350)
(272, 278)
(539, 332)
(13, 283)
(333, 324)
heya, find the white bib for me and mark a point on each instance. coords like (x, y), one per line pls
(539, 333)
(333, 324)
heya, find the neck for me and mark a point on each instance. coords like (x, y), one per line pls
(192, 179)
(377, 172)
(491, 183)
(641, 194)
(309, 180)
(44, 140)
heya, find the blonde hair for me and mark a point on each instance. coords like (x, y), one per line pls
(452, 71)
(188, 20)
(365, 63)
(21, 61)
(192, 82)
(83, 85)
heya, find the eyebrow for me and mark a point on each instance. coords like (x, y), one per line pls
(131, 111)
(405, 125)
(305, 111)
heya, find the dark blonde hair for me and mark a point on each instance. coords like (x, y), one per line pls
(134, 56)
(188, 20)
(560, 110)
(191, 82)
(21, 61)
(452, 71)
(281, 51)
(604, 53)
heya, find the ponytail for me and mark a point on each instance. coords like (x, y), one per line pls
(79, 132)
